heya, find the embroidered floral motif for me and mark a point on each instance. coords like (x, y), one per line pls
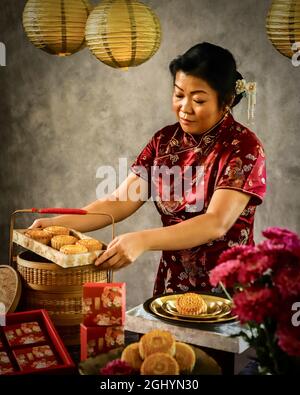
(248, 211)
(183, 276)
(243, 239)
(251, 157)
(167, 207)
(167, 279)
(188, 259)
(247, 167)
(183, 288)
(235, 174)
(174, 158)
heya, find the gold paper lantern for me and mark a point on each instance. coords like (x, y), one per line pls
(56, 26)
(283, 25)
(123, 33)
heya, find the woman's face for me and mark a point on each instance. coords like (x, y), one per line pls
(195, 104)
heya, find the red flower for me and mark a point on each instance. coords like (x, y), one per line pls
(289, 339)
(280, 239)
(233, 253)
(116, 367)
(278, 233)
(254, 264)
(255, 304)
(287, 280)
(226, 273)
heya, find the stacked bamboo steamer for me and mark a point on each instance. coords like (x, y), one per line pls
(58, 290)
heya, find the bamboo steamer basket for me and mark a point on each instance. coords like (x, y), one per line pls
(58, 290)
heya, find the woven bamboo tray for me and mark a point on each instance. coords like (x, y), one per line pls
(52, 254)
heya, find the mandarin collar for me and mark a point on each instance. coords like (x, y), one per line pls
(189, 139)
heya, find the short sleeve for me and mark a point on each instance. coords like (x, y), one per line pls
(144, 161)
(245, 170)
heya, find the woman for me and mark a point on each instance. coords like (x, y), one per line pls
(217, 212)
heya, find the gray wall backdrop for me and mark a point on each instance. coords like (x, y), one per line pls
(62, 118)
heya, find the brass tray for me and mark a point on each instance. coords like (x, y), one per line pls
(205, 364)
(160, 307)
(214, 309)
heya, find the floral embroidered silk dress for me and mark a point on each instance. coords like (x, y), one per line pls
(227, 156)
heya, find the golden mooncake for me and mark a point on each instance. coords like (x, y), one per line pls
(156, 341)
(132, 356)
(90, 244)
(57, 230)
(39, 235)
(191, 304)
(185, 356)
(160, 363)
(73, 249)
(58, 241)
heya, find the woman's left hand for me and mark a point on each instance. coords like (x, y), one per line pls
(122, 251)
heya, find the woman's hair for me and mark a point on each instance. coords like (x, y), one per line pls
(215, 65)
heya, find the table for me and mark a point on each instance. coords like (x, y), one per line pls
(216, 339)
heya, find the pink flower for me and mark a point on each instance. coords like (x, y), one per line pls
(254, 264)
(116, 367)
(289, 339)
(225, 272)
(233, 253)
(281, 238)
(255, 304)
(287, 280)
(277, 248)
(278, 233)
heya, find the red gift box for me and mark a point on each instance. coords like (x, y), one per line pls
(5, 363)
(24, 333)
(39, 357)
(103, 304)
(100, 339)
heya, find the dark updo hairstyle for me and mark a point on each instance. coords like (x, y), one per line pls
(213, 64)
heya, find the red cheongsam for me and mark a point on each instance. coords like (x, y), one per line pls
(231, 157)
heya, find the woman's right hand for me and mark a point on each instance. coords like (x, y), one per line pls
(42, 223)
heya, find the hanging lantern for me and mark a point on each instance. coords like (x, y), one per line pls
(123, 33)
(283, 25)
(56, 26)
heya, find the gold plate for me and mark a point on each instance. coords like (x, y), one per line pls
(205, 364)
(213, 309)
(158, 307)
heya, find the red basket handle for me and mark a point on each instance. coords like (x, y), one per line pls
(58, 210)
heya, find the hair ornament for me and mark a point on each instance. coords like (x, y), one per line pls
(247, 89)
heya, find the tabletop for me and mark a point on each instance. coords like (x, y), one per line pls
(215, 336)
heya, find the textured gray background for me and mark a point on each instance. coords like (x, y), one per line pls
(62, 118)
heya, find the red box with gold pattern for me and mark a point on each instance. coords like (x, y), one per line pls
(103, 304)
(24, 333)
(31, 344)
(100, 339)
